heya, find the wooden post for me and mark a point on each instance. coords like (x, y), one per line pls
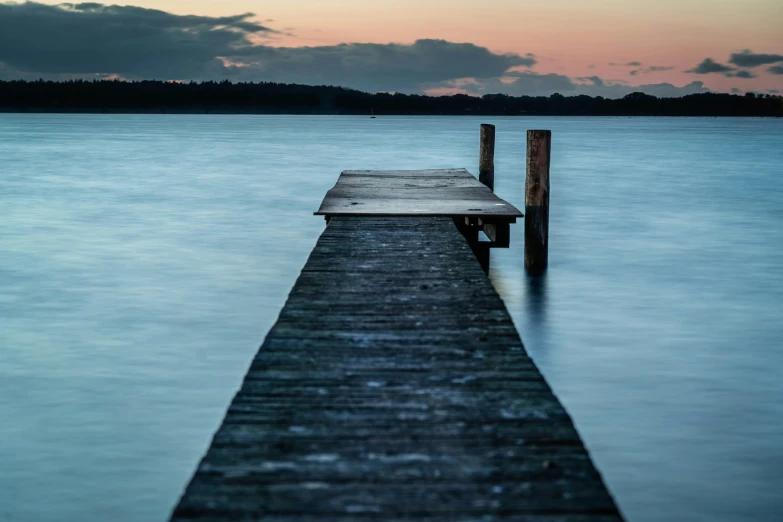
(539, 146)
(487, 156)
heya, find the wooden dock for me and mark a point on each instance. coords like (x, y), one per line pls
(394, 385)
(398, 193)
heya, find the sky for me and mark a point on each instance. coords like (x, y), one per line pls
(520, 47)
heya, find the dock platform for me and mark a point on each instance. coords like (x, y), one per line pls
(394, 387)
(398, 193)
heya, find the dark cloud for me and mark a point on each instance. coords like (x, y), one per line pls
(743, 59)
(734, 90)
(741, 74)
(710, 66)
(132, 42)
(627, 64)
(748, 58)
(774, 91)
(390, 67)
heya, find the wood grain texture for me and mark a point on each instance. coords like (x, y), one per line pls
(539, 144)
(447, 192)
(394, 387)
(487, 155)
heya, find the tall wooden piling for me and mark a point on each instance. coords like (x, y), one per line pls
(539, 145)
(487, 156)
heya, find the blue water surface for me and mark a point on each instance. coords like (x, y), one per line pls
(144, 257)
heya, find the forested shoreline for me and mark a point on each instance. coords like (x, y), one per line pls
(115, 96)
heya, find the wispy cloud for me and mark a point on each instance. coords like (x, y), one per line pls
(651, 69)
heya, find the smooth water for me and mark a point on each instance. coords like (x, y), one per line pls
(143, 258)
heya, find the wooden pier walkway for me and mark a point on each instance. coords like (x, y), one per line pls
(395, 387)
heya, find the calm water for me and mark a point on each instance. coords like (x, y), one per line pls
(143, 259)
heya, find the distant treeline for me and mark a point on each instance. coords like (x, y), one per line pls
(278, 98)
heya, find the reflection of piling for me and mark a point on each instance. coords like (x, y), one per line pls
(536, 300)
(487, 156)
(539, 145)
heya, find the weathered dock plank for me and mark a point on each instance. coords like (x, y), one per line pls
(444, 192)
(394, 387)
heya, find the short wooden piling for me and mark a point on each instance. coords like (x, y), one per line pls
(539, 145)
(487, 156)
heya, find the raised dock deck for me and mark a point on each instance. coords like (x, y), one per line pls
(395, 387)
(398, 193)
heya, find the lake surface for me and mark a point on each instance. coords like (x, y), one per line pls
(144, 257)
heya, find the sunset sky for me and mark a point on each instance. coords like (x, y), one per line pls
(598, 47)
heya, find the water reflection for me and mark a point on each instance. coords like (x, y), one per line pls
(536, 299)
